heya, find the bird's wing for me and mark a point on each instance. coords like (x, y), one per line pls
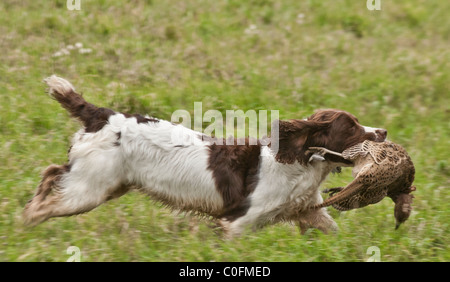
(383, 152)
(358, 150)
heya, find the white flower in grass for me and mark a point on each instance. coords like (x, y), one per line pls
(85, 50)
(252, 29)
(300, 18)
(66, 50)
(57, 54)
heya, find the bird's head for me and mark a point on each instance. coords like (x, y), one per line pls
(403, 208)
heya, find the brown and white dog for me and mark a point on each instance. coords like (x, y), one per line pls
(240, 185)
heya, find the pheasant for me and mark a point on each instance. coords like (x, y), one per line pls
(380, 169)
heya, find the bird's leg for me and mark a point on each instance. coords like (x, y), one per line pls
(333, 191)
(322, 151)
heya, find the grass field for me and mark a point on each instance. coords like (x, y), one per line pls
(389, 68)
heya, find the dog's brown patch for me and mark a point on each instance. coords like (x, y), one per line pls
(235, 171)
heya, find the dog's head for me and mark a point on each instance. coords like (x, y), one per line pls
(333, 129)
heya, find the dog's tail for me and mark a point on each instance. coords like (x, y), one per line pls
(92, 117)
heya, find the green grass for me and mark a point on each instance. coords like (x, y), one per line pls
(389, 68)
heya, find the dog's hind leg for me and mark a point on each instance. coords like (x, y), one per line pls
(33, 212)
(77, 188)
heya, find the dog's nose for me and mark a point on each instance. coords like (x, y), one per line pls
(382, 133)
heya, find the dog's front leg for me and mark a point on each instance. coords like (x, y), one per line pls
(319, 219)
(254, 219)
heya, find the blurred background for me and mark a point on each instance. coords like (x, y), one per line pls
(388, 67)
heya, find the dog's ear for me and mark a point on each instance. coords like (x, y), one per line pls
(292, 137)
